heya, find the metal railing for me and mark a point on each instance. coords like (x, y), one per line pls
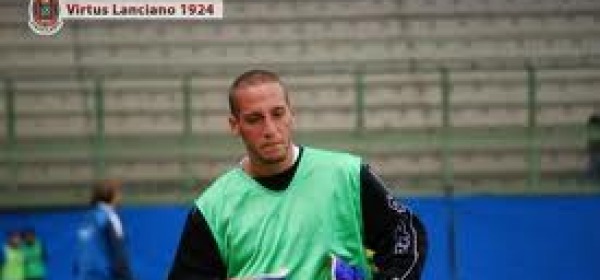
(446, 139)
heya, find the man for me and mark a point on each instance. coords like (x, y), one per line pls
(293, 210)
(35, 256)
(101, 248)
(13, 259)
(593, 171)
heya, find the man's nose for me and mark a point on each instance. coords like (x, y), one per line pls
(270, 127)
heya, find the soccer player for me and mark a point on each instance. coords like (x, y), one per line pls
(12, 258)
(293, 210)
(35, 256)
(101, 251)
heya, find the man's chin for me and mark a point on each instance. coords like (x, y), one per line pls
(273, 159)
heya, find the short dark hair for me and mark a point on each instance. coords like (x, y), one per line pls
(104, 191)
(251, 78)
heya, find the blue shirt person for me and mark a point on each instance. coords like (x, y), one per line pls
(101, 251)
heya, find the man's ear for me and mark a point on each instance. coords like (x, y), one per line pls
(293, 117)
(234, 125)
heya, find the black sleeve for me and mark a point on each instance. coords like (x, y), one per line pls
(197, 256)
(391, 230)
(120, 264)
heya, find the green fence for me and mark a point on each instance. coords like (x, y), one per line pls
(190, 144)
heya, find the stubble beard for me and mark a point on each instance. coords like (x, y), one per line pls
(265, 160)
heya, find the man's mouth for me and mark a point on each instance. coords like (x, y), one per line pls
(271, 145)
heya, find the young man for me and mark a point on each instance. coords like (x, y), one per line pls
(290, 209)
(101, 248)
(13, 258)
(35, 256)
(593, 169)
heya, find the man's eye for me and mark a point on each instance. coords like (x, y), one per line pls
(279, 113)
(252, 120)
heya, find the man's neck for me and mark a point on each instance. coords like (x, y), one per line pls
(107, 205)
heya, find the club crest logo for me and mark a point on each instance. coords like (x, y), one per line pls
(44, 16)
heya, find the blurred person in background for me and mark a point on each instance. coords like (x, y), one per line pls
(35, 256)
(101, 252)
(593, 172)
(292, 211)
(13, 258)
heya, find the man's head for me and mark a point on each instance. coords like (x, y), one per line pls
(14, 239)
(252, 78)
(261, 115)
(29, 236)
(106, 191)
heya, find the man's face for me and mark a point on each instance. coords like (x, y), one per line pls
(264, 122)
(15, 240)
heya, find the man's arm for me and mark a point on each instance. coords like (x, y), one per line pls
(118, 255)
(197, 256)
(391, 230)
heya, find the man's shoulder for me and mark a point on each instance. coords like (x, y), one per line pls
(98, 215)
(226, 176)
(220, 184)
(331, 155)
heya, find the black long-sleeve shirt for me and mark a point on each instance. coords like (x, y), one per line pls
(394, 233)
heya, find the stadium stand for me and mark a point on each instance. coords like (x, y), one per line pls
(144, 101)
